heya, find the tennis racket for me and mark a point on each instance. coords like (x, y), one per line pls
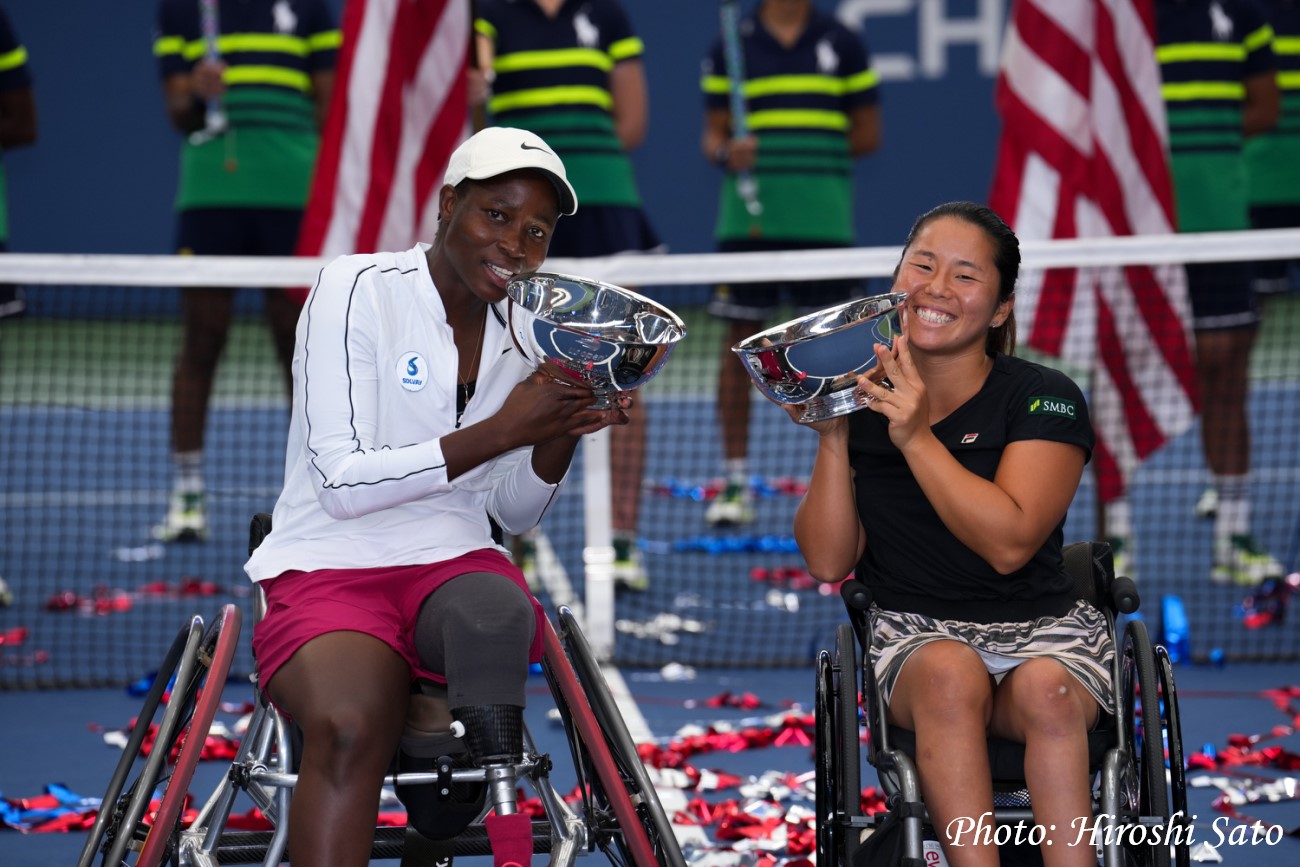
(214, 119)
(746, 183)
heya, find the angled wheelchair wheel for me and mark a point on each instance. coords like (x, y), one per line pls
(623, 809)
(1174, 745)
(1141, 719)
(204, 694)
(124, 802)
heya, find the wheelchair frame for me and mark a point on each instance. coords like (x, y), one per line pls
(1135, 781)
(620, 812)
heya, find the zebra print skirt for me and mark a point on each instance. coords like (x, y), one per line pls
(1078, 639)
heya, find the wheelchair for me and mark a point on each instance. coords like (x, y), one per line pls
(140, 821)
(1135, 751)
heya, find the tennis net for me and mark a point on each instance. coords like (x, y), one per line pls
(85, 383)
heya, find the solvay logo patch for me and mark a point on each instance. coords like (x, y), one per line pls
(412, 371)
(1053, 406)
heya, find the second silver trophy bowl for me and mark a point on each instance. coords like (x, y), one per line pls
(816, 359)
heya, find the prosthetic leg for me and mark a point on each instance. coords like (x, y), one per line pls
(494, 734)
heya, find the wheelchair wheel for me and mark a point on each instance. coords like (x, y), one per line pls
(204, 694)
(120, 811)
(1143, 731)
(848, 764)
(1174, 740)
(838, 768)
(828, 831)
(623, 807)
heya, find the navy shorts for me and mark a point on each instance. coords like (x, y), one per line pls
(1271, 274)
(603, 230)
(1222, 295)
(238, 231)
(756, 302)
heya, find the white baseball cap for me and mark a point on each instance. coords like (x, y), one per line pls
(500, 149)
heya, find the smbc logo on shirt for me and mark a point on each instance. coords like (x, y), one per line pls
(1058, 406)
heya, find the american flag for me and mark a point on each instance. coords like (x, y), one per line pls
(1084, 153)
(398, 111)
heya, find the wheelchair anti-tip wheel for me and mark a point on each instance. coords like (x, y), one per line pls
(622, 807)
(195, 666)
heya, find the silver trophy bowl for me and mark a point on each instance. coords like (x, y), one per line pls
(602, 335)
(816, 359)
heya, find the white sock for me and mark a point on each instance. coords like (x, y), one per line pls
(1233, 518)
(737, 469)
(188, 472)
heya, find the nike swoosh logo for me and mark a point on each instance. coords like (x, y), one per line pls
(532, 148)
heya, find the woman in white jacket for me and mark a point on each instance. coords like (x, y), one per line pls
(415, 421)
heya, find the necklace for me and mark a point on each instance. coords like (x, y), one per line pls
(473, 361)
(465, 390)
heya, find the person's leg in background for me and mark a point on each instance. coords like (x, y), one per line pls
(1225, 323)
(276, 234)
(205, 326)
(627, 469)
(12, 300)
(734, 504)
(609, 230)
(745, 309)
(1272, 278)
(206, 315)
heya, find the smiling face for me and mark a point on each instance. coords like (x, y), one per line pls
(491, 232)
(952, 284)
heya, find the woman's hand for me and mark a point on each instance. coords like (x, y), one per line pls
(905, 404)
(547, 404)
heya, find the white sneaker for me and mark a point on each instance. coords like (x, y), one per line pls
(731, 508)
(186, 519)
(1241, 560)
(1207, 506)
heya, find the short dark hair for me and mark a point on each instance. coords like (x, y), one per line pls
(1006, 258)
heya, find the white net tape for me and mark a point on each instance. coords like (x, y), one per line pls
(657, 270)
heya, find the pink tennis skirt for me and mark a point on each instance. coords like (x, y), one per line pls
(383, 602)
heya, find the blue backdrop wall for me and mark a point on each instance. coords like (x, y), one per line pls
(101, 176)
